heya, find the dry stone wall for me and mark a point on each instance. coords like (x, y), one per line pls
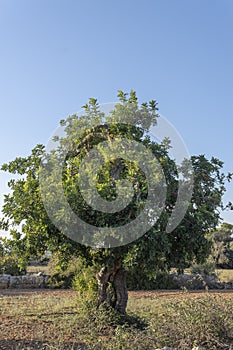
(26, 281)
(199, 281)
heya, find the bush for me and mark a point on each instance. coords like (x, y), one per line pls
(205, 322)
(9, 265)
(208, 268)
(62, 273)
(138, 280)
(182, 323)
(72, 274)
(85, 281)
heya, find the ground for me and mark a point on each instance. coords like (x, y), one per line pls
(49, 319)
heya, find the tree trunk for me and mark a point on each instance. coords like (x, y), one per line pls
(120, 289)
(112, 289)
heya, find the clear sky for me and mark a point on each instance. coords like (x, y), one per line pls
(56, 54)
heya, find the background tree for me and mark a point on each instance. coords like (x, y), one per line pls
(9, 262)
(188, 240)
(156, 249)
(222, 245)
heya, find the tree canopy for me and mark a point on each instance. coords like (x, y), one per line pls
(156, 248)
(222, 245)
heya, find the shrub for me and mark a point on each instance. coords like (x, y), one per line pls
(204, 322)
(62, 273)
(72, 274)
(10, 265)
(208, 268)
(139, 280)
(85, 282)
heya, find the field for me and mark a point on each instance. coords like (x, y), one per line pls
(224, 275)
(49, 319)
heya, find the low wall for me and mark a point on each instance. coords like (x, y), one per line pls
(199, 281)
(195, 281)
(26, 281)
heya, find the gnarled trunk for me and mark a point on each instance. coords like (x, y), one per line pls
(120, 289)
(112, 288)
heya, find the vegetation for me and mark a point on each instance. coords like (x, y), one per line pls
(157, 250)
(9, 262)
(222, 246)
(224, 275)
(57, 320)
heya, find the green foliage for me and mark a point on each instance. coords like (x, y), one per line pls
(223, 234)
(85, 282)
(9, 265)
(222, 245)
(2, 250)
(62, 273)
(208, 268)
(138, 280)
(108, 321)
(195, 322)
(24, 204)
(188, 241)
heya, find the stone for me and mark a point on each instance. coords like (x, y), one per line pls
(199, 281)
(15, 282)
(28, 281)
(25, 281)
(40, 281)
(4, 281)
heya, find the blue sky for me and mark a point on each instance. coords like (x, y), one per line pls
(56, 54)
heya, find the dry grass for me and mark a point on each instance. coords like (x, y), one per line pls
(55, 320)
(36, 269)
(224, 275)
